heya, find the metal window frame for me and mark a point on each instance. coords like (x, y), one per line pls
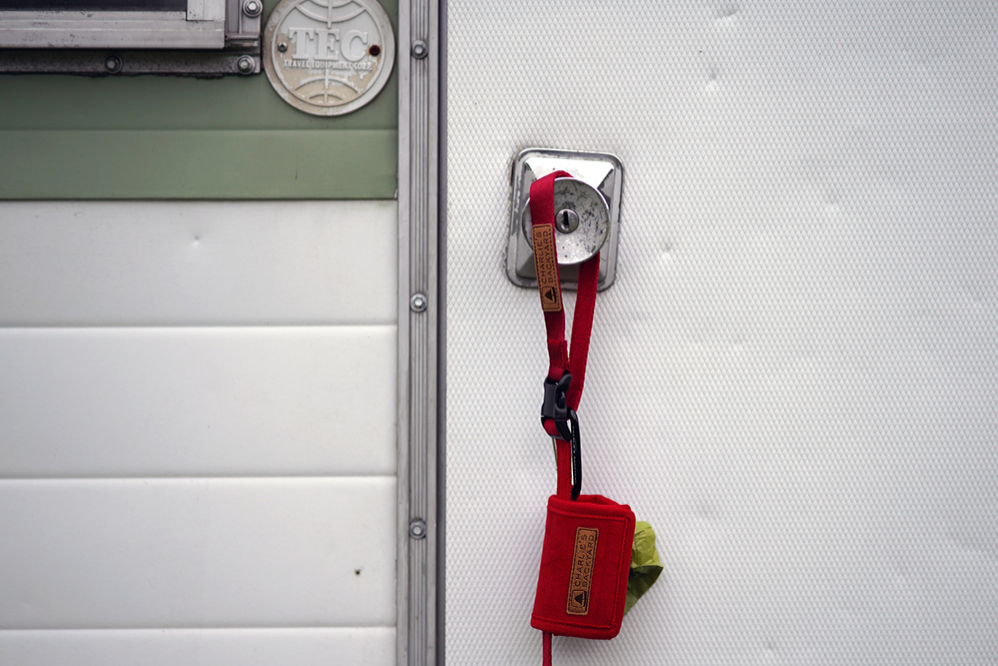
(202, 26)
(212, 38)
(419, 602)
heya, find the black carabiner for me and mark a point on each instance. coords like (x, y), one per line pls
(576, 455)
(566, 421)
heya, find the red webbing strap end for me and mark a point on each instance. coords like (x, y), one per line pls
(557, 351)
(547, 648)
(582, 328)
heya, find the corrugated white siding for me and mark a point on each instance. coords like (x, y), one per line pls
(369, 646)
(214, 401)
(197, 418)
(197, 263)
(175, 553)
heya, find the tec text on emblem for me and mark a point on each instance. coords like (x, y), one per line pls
(328, 57)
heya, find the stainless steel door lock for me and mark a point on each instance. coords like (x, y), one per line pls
(587, 208)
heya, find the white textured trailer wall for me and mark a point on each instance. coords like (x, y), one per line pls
(197, 433)
(795, 377)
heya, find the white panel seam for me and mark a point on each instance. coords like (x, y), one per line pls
(220, 479)
(196, 327)
(237, 628)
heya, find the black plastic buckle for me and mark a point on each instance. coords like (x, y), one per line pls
(555, 408)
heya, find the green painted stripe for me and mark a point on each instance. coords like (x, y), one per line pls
(55, 102)
(198, 164)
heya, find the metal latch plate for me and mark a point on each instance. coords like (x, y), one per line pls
(602, 171)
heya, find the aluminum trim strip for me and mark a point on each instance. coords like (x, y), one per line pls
(418, 243)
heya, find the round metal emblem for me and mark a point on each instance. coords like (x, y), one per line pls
(582, 220)
(328, 57)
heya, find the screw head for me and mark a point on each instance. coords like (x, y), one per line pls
(282, 47)
(113, 64)
(245, 64)
(419, 49)
(252, 8)
(417, 529)
(418, 303)
(566, 220)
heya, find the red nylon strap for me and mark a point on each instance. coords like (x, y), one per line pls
(541, 213)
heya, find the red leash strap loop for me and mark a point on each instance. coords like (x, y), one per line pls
(566, 373)
(579, 592)
(590, 602)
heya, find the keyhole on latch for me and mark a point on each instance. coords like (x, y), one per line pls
(566, 220)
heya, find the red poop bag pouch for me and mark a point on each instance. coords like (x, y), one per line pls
(584, 566)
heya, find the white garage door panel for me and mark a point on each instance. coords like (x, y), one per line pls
(207, 553)
(369, 646)
(197, 401)
(197, 263)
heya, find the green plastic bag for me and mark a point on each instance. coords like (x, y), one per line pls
(645, 565)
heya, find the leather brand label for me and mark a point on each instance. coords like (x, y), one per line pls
(546, 265)
(581, 580)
